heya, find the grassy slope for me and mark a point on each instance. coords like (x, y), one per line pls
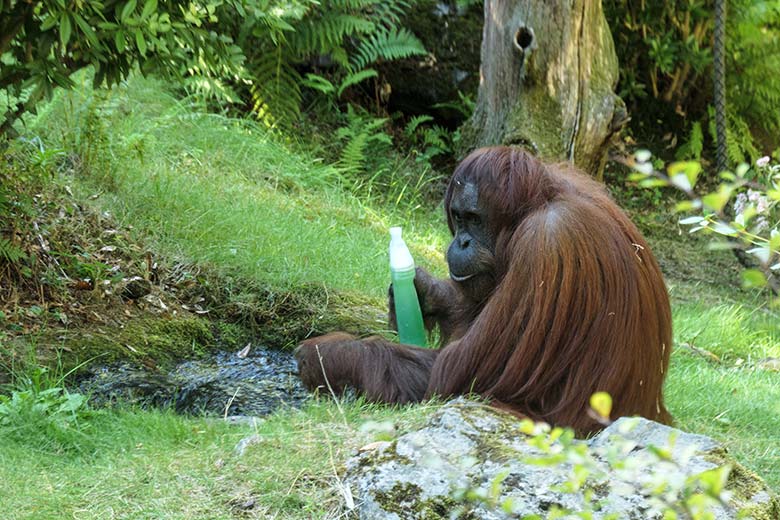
(221, 191)
(211, 190)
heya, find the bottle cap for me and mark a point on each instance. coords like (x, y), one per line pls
(400, 257)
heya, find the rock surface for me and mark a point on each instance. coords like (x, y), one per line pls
(473, 462)
(252, 382)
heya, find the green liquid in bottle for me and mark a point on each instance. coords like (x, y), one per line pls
(411, 330)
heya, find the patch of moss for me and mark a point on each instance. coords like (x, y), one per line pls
(536, 125)
(745, 485)
(281, 318)
(355, 313)
(493, 447)
(378, 457)
(230, 336)
(404, 499)
(153, 341)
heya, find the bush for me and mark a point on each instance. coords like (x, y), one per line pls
(743, 212)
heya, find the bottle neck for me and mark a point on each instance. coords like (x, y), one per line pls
(402, 274)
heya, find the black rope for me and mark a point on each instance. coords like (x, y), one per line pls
(719, 95)
(719, 80)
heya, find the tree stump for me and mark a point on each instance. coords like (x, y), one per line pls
(547, 79)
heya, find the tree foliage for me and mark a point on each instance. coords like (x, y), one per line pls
(664, 50)
(201, 45)
(325, 46)
(44, 42)
(743, 212)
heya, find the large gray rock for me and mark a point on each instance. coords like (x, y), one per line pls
(473, 462)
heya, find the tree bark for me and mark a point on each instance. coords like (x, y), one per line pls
(547, 79)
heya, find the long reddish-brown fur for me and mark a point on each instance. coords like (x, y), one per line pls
(578, 305)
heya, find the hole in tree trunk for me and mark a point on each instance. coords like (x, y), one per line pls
(524, 38)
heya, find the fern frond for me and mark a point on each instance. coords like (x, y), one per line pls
(361, 131)
(317, 82)
(436, 136)
(275, 90)
(322, 34)
(391, 44)
(385, 13)
(339, 56)
(353, 156)
(692, 148)
(389, 13)
(739, 140)
(10, 252)
(349, 5)
(355, 78)
(416, 121)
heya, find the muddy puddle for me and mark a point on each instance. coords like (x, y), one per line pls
(253, 383)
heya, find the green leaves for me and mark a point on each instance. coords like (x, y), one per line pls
(355, 78)
(140, 41)
(119, 41)
(168, 38)
(717, 201)
(753, 206)
(389, 44)
(87, 30)
(126, 11)
(149, 7)
(683, 174)
(713, 482)
(65, 30)
(692, 220)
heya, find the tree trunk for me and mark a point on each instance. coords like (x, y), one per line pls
(547, 81)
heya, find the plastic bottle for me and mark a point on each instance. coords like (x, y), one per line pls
(411, 330)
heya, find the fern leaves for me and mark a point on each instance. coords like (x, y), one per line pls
(415, 122)
(693, 147)
(357, 77)
(388, 44)
(9, 252)
(323, 34)
(276, 92)
(361, 132)
(349, 33)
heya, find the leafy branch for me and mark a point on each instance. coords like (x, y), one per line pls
(749, 222)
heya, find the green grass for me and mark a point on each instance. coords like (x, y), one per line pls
(738, 406)
(717, 385)
(159, 465)
(225, 192)
(209, 189)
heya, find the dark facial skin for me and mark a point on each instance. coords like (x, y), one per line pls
(470, 254)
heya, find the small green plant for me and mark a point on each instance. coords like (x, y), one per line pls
(369, 168)
(363, 136)
(434, 140)
(38, 407)
(744, 210)
(338, 39)
(10, 252)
